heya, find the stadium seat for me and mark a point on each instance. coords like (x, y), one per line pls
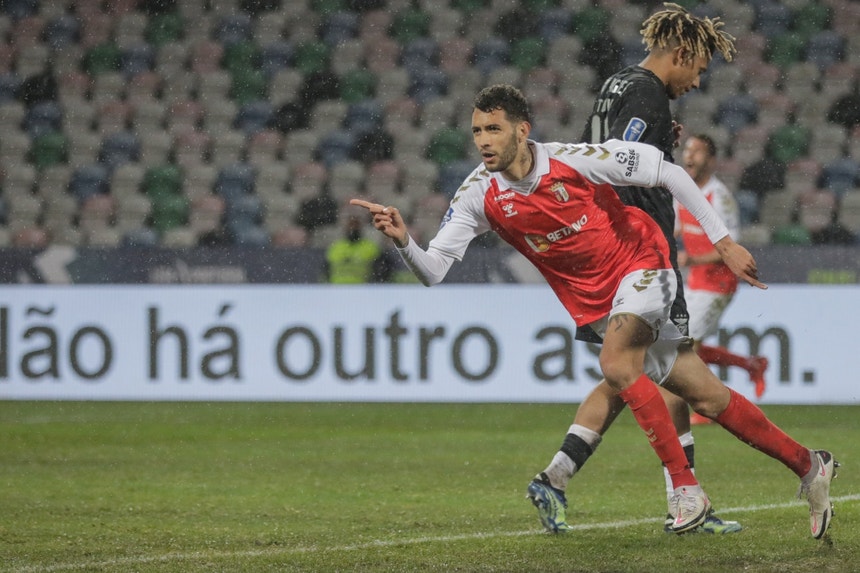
(49, 149)
(136, 59)
(447, 145)
(338, 27)
(169, 212)
(235, 181)
(139, 238)
(357, 85)
(103, 58)
(62, 31)
(43, 118)
(554, 23)
(311, 57)
(241, 55)
(232, 29)
(409, 24)
(364, 116)
(816, 209)
(528, 53)
(427, 84)
(849, 211)
(119, 148)
(491, 53)
(228, 147)
(205, 56)
(788, 142)
(89, 180)
(335, 147)
(841, 176)
(163, 180)
(255, 116)
(786, 49)
(825, 48)
(591, 22)
(772, 18)
(249, 85)
(419, 53)
(275, 56)
(164, 28)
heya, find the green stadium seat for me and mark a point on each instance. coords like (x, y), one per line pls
(357, 85)
(468, 6)
(410, 24)
(447, 145)
(325, 7)
(788, 142)
(528, 53)
(103, 58)
(241, 56)
(49, 149)
(811, 18)
(791, 234)
(311, 57)
(590, 23)
(248, 85)
(164, 28)
(162, 181)
(169, 212)
(785, 50)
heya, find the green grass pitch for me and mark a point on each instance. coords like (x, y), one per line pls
(188, 487)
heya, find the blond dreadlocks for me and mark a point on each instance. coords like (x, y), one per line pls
(675, 27)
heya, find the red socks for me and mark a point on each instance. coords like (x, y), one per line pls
(721, 357)
(651, 414)
(749, 424)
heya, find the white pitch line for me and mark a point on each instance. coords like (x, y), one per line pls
(203, 555)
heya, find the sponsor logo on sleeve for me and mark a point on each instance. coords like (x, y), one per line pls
(634, 130)
(630, 159)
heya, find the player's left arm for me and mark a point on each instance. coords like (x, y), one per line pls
(685, 190)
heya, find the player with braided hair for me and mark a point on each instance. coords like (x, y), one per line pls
(634, 105)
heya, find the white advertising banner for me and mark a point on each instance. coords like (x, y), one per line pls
(466, 343)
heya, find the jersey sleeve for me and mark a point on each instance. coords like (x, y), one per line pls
(622, 163)
(464, 220)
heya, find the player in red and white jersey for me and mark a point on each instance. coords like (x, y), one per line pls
(711, 285)
(608, 264)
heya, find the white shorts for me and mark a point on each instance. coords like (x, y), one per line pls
(706, 310)
(649, 295)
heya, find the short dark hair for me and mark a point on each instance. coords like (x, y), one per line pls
(506, 98)
(709, 143)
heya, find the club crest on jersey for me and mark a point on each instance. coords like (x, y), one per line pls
(634, 130)
(561, 194)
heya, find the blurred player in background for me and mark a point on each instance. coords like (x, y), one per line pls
(710, 285)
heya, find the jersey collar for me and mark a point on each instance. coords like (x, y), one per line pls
(529, 183)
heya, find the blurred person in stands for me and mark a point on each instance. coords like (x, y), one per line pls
(634, 105)
(710, 284)
(352, 258)
(609, 266)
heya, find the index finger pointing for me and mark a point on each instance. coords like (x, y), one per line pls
(372, 207)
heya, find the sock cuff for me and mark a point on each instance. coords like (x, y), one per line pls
(686, 439)
(728, 412)
(587, 435)
(636, 395)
